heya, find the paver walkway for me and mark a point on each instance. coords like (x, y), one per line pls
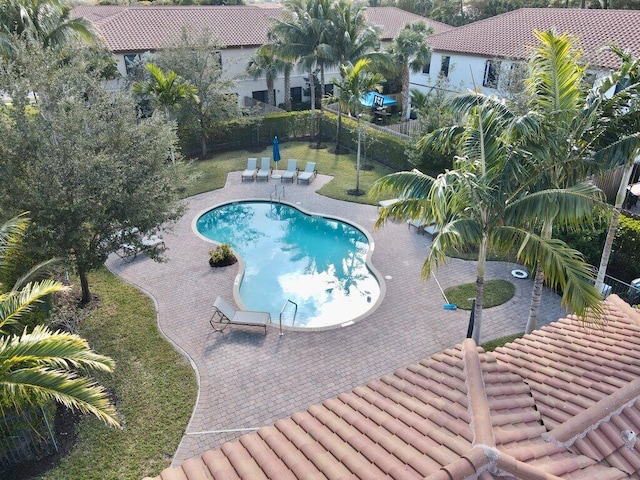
(248, 380)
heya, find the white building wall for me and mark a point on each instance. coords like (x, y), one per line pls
(465, 72)
(234, 62)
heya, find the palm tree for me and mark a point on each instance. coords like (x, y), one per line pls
(622, 113)
(42, 365)
(356, 81)
(412, 52)
(481, 203)
(352, 38)
(299, 36)
(563, 154)
(44, 21)
(166, 91)
(266, 63)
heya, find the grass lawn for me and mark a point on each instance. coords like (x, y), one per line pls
(491, 345)
(153, 385)
(212, 173)
(496, 292)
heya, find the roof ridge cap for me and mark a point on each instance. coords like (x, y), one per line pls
(479, 410)
(565, 434)
(625, 308)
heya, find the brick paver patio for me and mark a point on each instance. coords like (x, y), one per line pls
(248, 380)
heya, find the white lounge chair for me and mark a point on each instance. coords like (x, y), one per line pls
(265, 169)
(225, 315)
(251, 170)
(308, 174)
(145, 243)
(291, 171)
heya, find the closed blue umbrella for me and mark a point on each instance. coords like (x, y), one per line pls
(276, 151)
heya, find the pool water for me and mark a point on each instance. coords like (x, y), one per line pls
(317, 262)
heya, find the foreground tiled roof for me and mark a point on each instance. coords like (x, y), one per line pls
(509, 35)
(586, 384)
(141, 28)
(465, 414)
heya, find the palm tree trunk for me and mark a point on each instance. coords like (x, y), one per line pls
(536, 295)
(482, 262)
(338, 125)
(320, 118)
(358, 160)
(287, 90)
(405, 92)
(271, 98)
(312, 85)
(608, 244)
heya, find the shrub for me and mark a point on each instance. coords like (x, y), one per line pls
(221, 255)
(625, 261)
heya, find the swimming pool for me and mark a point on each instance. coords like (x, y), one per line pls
(319, 263)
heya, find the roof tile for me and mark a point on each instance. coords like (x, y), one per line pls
(510, 35)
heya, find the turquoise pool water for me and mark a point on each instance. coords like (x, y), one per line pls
(317, 262)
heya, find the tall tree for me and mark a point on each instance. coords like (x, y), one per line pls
(167, 91)
(356, 81)
(81, 161)
(44, 21)
(564, 154)
(620, 94)
(42, 365)
(482, 203)
(300, 36)
(198, 60)
(352, 38)
(266, 64)
(412, 52)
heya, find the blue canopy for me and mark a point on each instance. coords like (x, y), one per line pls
(375, 99)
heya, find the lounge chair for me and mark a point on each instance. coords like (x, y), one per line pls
(147, 243)
(309, 173)
(251, 170)
(225, 315)
(291, 171)
(423, 226)
(265, 169)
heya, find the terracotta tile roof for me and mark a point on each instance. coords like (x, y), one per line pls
(392, 19)
(586, 384)
(141, 28)
(509, 35)
(552, 405)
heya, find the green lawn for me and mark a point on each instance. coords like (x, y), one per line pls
(212, 173)
(496, 292)
(491, 345)
(153, 385)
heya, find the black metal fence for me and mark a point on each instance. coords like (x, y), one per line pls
(24, 437)
(628, 292)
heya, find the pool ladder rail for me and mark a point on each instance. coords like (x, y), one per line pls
(275, 194)
(295, 312)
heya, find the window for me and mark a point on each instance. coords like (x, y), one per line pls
(427, 66)
(328, 89)
(517, 74)
(261, 95)
(444, 66)
(130, 61)
(218, 56)
(296, 95)
(491, 74)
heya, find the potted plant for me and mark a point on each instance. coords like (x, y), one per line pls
(221, 256)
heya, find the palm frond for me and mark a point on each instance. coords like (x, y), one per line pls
(15, 304)
(563, 268)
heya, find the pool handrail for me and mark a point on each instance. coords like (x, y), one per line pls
(295, 312)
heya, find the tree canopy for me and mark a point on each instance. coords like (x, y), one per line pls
(80, 160)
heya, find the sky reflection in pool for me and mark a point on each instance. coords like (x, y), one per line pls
(317, 262)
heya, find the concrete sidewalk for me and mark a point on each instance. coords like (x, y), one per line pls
(248, 380)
